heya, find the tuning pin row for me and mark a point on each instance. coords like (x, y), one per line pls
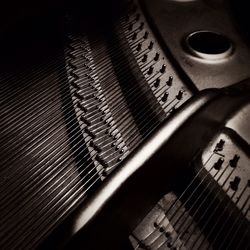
(145, 36)
(157, 56)
(169, 81)
(157, 82)
(151, 45)
(144, 58)
(139, 46)
(150, 70)
(134, 36)
(101, 131)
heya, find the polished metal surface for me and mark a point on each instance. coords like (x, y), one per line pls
(125, 125)
(175, 20)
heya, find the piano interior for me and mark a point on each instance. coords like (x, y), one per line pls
(125, 125)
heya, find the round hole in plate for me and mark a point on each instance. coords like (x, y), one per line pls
(209, 45)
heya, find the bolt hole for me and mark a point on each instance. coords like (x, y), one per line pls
(209, 45)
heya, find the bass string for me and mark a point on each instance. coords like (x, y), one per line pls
(235, 223)
(45, 107)
(176, 222)
(17, 230)
(173, 206)
(229, 231)
(17, 103)
(192, 207)
(210, 189)
(71, 202)
(244, 234)
(47, 210)
(214, 211)
(229, 215)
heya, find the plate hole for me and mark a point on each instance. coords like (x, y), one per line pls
(209, 45)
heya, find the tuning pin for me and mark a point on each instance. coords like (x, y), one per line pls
(218, 164)
(165, 97)
(233, 163)
(138, 47)
(179, 95)
(144, 58)
(157, 55)
(151, 45)
(134, 36)
(235, 183)
(163, 68)
(220, 145)
(145, 35)
(150, 70)
(170, 81)
(157, 82)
